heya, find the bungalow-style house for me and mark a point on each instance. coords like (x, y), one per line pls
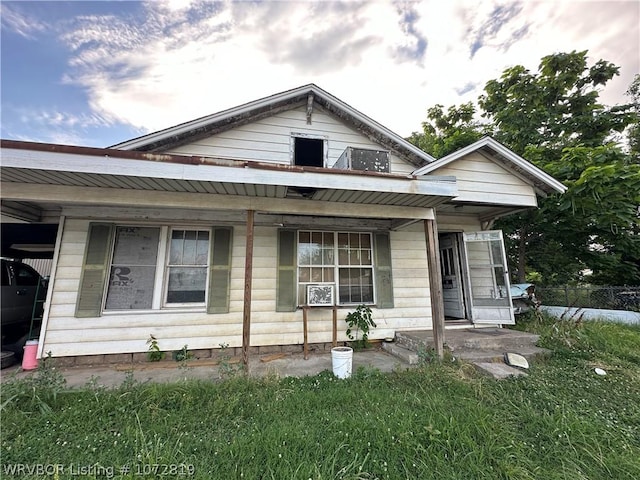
(234, 228)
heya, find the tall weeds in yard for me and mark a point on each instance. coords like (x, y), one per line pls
(439, 421)
(37, 392)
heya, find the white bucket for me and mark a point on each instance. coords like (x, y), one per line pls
(342, 360)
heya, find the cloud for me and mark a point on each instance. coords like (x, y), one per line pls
(53, 125)
(498, 20)
(162, 63)
(175, 64)
(18, 22)
(416, 46)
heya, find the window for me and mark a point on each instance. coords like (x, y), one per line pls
(340, 258)
(138, 271)
(187, 268)
(308, 152)
(152, 267)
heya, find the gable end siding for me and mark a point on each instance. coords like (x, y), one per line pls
(269, 140)
(481, 180)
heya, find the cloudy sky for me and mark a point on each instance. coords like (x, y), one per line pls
(97, 73)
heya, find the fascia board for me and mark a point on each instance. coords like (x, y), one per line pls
(105, 165)
(213, 118)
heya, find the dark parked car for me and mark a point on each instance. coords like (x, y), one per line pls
(23, 294)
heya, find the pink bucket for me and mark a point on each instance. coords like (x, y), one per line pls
(29, 359)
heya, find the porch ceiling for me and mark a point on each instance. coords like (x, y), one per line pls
(484, 212)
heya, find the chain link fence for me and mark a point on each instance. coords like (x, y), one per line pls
(611, 298)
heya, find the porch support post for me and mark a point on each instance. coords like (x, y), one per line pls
(435, 285)
(248, 276)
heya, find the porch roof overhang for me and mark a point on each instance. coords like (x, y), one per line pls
(80, 176)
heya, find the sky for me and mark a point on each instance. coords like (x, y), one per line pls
(96, 73)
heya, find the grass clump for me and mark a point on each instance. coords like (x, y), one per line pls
(440, 421)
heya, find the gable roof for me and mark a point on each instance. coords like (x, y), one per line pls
(307, 94)
(544, 183)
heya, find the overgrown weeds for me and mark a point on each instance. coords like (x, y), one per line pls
(442, 420)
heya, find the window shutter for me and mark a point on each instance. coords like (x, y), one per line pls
(220, 270)
(286, 280)
(384, 279)
(94, 270)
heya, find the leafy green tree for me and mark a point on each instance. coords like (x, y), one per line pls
(446, 132)
(634, 129)
(553, 118)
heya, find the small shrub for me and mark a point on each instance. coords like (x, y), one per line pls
(226, 368)
(182, 355)
(360, 320)
(154, 354)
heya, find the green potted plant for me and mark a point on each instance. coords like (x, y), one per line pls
(359, 320)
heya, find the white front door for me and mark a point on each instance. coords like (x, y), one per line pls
(488, 277)
(451, 276)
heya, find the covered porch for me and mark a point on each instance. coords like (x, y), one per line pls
(65, 183)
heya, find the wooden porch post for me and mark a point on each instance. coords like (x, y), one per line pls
(435, 285)
(248, 276)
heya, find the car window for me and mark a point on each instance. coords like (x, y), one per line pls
(25, 276)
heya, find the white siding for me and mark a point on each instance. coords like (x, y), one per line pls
(458, 223)
(124, 333)
(269, 139)
(484, 181)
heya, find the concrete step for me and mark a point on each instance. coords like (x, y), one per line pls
(490, 338)
(470, 338)
(404, 354)
(499, 370)
(414, 340)
(531, 353)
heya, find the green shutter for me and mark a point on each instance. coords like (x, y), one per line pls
(384, 279)
(220, 270)
(94, 270)
(286, 281)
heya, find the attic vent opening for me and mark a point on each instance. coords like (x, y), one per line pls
(308, 152)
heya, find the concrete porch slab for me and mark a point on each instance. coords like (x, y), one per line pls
(291, 365)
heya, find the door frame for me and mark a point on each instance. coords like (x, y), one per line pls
(459, 265)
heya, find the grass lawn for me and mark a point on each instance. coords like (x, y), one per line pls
(440, 421)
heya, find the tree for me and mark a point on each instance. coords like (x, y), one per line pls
(634, 129)
(448, 132)
(553, 119)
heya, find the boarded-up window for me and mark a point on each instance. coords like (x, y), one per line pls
(133, 268)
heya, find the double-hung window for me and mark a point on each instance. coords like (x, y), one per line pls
(343, 259)
(187, 267)
(154, 267)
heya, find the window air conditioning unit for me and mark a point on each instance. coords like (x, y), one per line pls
(320, 295)
(364, 160)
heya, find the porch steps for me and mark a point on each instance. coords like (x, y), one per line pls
(483, 347)
(403, 353)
